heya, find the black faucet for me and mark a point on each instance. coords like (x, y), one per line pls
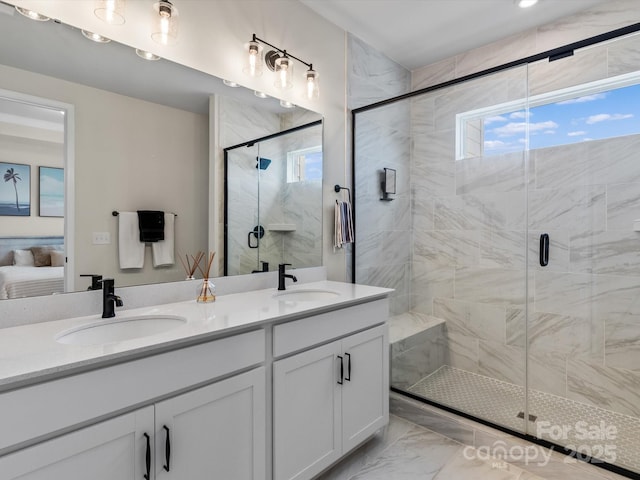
(265, 267)
(282, 276)
(95, 281)
(109, 298)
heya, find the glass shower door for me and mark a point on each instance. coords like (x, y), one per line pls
(584, 197)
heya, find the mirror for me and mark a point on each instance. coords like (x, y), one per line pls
(142, 141)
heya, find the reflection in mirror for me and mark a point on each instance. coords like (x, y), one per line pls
(141, 140)
(273, 207)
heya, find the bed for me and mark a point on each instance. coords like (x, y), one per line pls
(26, 279)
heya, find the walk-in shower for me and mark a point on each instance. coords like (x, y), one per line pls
(513, 244)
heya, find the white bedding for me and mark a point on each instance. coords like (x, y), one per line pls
(18, 282)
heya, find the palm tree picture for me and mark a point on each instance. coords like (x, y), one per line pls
(15, 195)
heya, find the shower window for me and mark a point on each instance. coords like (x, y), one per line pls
(595, 111)
(304, 165)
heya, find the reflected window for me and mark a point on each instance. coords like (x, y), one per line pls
(304, 165)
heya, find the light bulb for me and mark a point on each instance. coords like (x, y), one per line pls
(253, 66)
(284, 71)
(313, 90)
(166, 30)
(110, 11)
(527, 3)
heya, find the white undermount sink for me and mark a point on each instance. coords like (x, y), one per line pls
(305, 295)
(118, 329)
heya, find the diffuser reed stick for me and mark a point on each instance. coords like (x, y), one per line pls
(206, 293)
(189, 268)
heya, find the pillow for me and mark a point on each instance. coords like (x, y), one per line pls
(57, 258)
(42, 256)
(23, 258)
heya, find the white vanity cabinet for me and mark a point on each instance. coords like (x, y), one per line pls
(217, 431)
(329, 399)
(114, 449)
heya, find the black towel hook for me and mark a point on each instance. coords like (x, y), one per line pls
(337, 189)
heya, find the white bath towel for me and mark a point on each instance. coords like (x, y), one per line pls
(163, 249)
(130, 248)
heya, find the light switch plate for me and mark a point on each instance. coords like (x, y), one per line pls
(101, 238)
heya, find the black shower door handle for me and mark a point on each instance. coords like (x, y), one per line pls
(544, 249)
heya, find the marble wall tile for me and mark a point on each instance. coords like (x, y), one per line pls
(581, 209)
(614, 252)
(483, 321)
(504, 362)
(548, 333)
(433, 74)
(470, 212)
(369, 248)
(447, 247)
(547, 372)
(490, 285)
(622, 343)
(515, 326)
(622, 205)
(422, 205)
(624, 56)
(502, 173)
(618, 157)
(432, 163)
(585, 66)
(497, 53)
(502, 249)
(565, 165)
(461, 351)
(584, 295)
(596, 20)
(430, 280)
(409, 366)
(422, 114)
(389, 276)
(605, 387)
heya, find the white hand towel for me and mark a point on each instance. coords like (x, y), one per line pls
(130, 248)
(163, 249)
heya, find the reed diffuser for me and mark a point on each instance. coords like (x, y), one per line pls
(190, 268)
(207, 293)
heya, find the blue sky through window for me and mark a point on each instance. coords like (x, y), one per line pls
(613, 113)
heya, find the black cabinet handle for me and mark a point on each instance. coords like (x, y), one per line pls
(348, 377)
(147, 458)
(341, 381)
(544, 249)
(167, 450)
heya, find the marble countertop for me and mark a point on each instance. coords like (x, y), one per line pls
(30, 353)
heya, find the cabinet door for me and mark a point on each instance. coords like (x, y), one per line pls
(112, 450)
(365, 393)
(218, 431)
(306, 409)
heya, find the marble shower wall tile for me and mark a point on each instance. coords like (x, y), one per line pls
(422, 114)
(613, 252)
(622, 343)
(549, 333)
(585, 66)
(502, 249)
(606, 387)
(433, 74)
(470, 212)
(462, 351)
(447, 247)
(497, 360)
(502, 173)
(490, 285)
(622, 205)
(547, 372)
(428, 281)
(422, 205)
(415, 363)
(432, 162)
(624, 57)
(483, 321)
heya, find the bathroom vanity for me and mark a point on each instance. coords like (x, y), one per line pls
(258, 385)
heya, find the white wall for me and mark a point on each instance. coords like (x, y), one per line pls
(122, 143)
(212, 35)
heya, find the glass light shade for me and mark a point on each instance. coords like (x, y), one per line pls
(110, 11)
(32, 14)
(94, 37)
(165, 28)
(260, 94)
(286, 104)
(147, 55)
(253, 64)
(313, 88)
(231, 84)
(284, 73)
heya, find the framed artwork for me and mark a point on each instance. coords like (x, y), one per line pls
(15, 189)
(51, 192)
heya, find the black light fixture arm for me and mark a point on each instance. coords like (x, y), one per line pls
(284, 52)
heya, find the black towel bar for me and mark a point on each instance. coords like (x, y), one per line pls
(115, 213)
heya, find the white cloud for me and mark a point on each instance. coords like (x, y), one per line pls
(576, 134)
(497, 118)
(493, 144)
(520, 115)
(586, 98)
(549, 132)
(605, 117)
(515, 128)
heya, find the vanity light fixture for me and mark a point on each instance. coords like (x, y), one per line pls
(260, 94)
(94, 37)
(286, 104)
(281, 62)
(110, 11)
(38, 17)
(231, 84)
(152, 57)
(527, 3)
(165, 28)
